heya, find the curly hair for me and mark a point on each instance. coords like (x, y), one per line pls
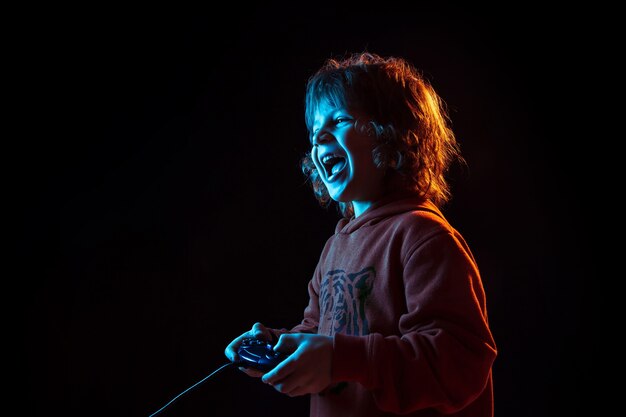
(408, 121)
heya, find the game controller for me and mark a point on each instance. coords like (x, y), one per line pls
(258, 354)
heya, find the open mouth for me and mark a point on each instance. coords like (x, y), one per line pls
(333, 164)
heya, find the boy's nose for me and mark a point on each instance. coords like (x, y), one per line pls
(322, 137)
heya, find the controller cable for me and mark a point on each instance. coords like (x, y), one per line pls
(195, 385)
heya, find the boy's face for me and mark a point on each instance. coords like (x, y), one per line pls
(343, 157)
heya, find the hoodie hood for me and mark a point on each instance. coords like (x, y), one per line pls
(388, 206)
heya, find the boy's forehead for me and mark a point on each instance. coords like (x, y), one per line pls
(323, 108)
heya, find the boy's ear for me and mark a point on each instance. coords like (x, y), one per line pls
(396, 162)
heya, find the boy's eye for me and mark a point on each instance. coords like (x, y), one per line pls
(342, 120)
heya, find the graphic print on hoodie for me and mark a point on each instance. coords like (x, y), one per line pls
(342, 300)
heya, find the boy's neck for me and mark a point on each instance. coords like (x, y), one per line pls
(360, 207)
(395, 189)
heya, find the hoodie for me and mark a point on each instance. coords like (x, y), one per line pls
(400, 292)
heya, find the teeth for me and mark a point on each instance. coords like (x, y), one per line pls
(333, 163)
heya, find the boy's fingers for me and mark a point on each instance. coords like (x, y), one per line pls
(259, 331)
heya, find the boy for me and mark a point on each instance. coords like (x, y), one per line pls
(397, 321)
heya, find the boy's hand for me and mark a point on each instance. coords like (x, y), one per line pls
(307, 370)
(258, 331)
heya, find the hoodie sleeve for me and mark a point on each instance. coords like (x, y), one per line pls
(443, 356)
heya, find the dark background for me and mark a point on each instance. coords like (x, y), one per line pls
(161, 210)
